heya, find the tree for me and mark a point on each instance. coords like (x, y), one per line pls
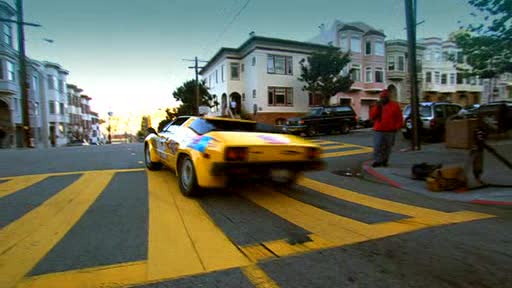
(488, 45)
(186, 94)
(322, 74)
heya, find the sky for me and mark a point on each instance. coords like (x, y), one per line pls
(127, 54)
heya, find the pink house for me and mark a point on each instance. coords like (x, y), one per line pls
(367, 68)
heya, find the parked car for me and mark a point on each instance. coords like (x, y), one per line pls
(497, 115)
(77, 142)
(433, 117)
(207, 152)
(323, 119)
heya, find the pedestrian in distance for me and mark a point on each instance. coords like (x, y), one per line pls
(387, 119)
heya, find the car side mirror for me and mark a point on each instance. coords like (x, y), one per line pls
(152, 130)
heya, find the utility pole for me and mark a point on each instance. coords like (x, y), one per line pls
(410, 18)
(24, 86)
(196, 70)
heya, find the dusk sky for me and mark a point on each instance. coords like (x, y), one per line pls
(127, 54)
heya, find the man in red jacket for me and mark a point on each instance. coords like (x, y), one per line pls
(387, 119)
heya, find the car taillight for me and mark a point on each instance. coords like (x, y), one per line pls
(301, 122)
(236, 154)
(313, 153)
(432, 123)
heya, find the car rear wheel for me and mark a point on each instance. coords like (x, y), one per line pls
(147, 159)
(311, 131)
(187, 177)
(345, 129)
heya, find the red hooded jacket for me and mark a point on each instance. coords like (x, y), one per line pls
(390, 120)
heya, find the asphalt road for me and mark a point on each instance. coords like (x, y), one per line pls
(94, 217)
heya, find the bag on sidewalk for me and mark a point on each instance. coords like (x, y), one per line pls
(423, 170)
(446, 179)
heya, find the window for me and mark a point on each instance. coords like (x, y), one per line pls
(35, 84)
(437, 77)
(428, 77)
(437, 55)
(51, 107)
(51, 82)
(222, 73)
(280, 96)
(11, 72)
(368, 48)
(235, 71)
(379, 48)
(452, 78)
(379, 75)
(355, 73)
(16, 105)
(460, 79)
(444, 79)
(242, 68)
(7, 34)
(277, 64)
(243, 96)
(253, 61)
(355, 43)
(460, 57)
(253, 93)
(217, 76)
(61, 85)
(343, 42)
(368, 75)
(472, 80)
(401, 63)
(391, 63)
(314, 100)
(61, 108)
(2, 76)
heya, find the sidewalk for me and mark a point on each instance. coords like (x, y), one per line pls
(398, 174)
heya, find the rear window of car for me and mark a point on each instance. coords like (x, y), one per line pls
(203, 126)
(425, 111)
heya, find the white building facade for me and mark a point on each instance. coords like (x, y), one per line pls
(260, 78)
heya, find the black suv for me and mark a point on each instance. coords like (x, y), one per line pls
(328, 119)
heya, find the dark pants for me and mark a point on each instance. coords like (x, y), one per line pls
(382, 144)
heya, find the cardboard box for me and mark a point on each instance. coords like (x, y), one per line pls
(460, 133)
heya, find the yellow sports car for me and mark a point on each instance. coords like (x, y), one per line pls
(207, 152)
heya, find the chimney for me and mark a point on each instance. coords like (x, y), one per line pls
(252, 34)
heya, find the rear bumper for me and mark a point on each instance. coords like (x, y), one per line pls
(295, 129)
(256, 168)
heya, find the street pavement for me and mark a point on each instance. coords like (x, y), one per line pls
(94, 217)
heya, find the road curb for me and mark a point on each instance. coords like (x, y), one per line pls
(373, 174)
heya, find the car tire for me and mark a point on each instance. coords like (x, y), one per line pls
(311, 132)
(345, 129)
(187, 178)
(153, 166)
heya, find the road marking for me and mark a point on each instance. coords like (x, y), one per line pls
(362, 150)
(75, 172)
(390, 206)
(258, 277)
(103, 276)
(170, 250)
(197, 243)
(334, 147)
(24, 242)
(17, 184)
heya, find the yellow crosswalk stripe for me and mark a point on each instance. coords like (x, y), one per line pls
(17, 184)
(25, 241)
(182, 238)
(388, 205)
(258, 277)
(103, 276)
(347, 153)
(73, 173)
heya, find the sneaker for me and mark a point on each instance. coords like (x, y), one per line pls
(376, 164)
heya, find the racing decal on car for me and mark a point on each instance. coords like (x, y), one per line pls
(274, 139)
(200, 143)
